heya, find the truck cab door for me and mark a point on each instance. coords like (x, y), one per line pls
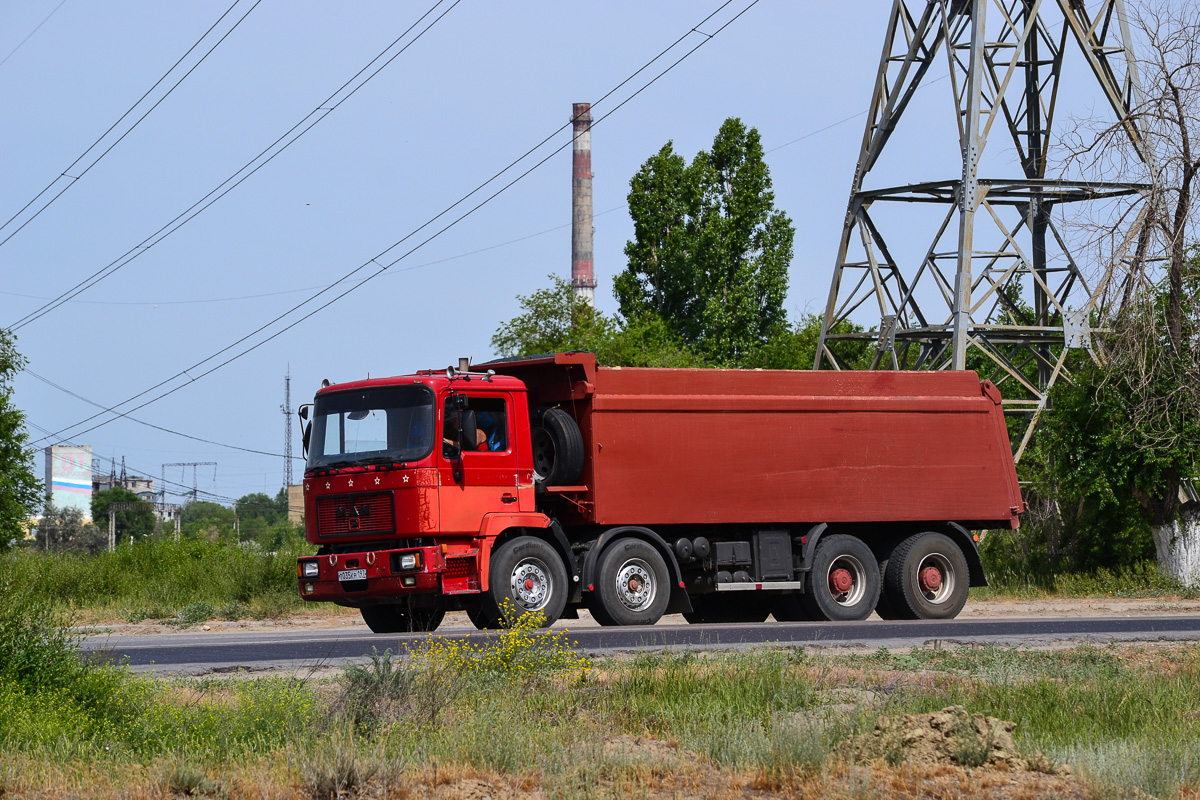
(487, 475)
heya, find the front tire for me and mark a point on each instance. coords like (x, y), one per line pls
(927, 578)
(844, 584)
(633, 585)
(527, 575)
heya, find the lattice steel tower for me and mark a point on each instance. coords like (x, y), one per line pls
(286, 408)
(998, 288)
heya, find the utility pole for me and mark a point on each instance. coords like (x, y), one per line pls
(286, 408)
(113, 508)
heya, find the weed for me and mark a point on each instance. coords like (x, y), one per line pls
(523, 647)
(971, 749)
(179, 776)
(196, 613)
(233, 611)
(332, 768)
(378, 692)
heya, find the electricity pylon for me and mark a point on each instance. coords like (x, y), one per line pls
(998, 288)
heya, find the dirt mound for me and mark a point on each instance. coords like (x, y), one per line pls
(949, 736)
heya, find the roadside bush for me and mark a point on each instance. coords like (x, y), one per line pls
(523, 647)
(159, 573)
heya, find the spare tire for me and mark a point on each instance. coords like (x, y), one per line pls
(557, 449)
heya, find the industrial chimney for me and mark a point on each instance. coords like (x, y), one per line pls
(582, 278)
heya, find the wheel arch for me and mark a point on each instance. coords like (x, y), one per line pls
(967, 543)
(679, 602)
(552, 535)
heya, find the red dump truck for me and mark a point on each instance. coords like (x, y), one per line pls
(550, 484)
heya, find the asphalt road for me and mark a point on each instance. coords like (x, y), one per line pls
(201, 653)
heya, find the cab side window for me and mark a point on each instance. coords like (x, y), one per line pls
(491, 420)
(484, 421)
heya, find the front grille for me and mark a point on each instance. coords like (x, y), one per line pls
(355, 514)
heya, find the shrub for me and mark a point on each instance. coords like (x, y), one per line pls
(523, 647)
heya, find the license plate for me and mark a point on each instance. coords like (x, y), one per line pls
(352, 575)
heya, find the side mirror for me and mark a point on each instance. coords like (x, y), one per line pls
(302, 412)
(469, 428)
(305, 435)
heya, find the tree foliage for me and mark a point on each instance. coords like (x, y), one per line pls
(20, 490)
(136, 521)
(555, 319)
(64, 530)
(1130, 433)
(710, 252)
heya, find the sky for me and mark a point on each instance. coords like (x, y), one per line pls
(484, 84)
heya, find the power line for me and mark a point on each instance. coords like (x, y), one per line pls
(29, 36)
(73, 179)
(321, 111)
(383, 267)
(307, 288)
(90, 402)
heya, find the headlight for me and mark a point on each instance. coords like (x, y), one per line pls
(410, 561)
(311, 569)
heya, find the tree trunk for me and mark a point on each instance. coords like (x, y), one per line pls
(1178, 546)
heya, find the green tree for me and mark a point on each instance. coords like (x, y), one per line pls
(555, 319)
(64, 530)
(130, 522)
(258, 506)
(552, 320)
(202, 519)
(710, 252)
(20, 490)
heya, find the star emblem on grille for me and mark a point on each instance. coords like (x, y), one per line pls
(406, 479)
(350, 482)
(377, 481)
(326, 484)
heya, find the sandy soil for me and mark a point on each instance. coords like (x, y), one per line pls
(334, 618)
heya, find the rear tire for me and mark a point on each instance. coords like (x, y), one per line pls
(527, 575)
(403, 617)
(557, 449)
(844, 584)
(633, 586)
(927, 577)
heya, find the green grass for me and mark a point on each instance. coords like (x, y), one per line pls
(1125, 719)
(161, 578)
(1142, 579)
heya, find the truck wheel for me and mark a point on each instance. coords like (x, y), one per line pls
(729, 607)
(402, 618)
(844, 584)
(557, 449)
(633, 586)
(927, 577)
(527, 575)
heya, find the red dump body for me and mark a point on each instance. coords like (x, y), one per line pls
(674, 446)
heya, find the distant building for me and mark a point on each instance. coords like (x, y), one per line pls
(295, 504)
(69, 477)
(142, 487)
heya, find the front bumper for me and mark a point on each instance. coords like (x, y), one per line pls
(436, 574)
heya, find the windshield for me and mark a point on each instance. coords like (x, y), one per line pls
(384, 424)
